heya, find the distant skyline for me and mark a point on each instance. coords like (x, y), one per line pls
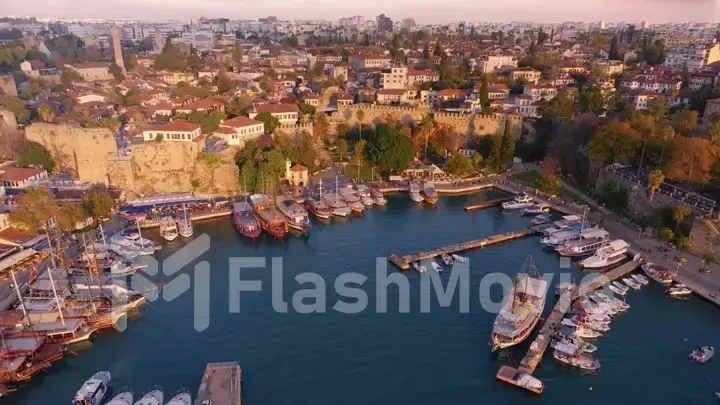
(423, 11)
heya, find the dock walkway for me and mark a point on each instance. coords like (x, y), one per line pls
(541, 343)
(221, 385)
(403, 262)
(487, 204)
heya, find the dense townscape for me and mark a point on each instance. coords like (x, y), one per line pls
(111, 127)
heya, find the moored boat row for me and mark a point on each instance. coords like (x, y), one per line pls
(97, 390)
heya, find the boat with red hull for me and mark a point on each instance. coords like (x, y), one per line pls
(246, 221)
(271, 219)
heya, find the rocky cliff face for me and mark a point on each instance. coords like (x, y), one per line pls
(82, 151)
(153, 167)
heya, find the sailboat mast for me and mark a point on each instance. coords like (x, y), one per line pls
(17, 290)
(142, 242)
(52, 282)
(336, 190)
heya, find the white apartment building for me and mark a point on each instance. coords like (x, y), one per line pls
(491, 64)
(177, 131)
(694, 57)
(394, 78)
(238, 130)
(369, 62)
(285, 113)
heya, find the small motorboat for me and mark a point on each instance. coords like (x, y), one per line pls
(419, 268)
(537, 209)
(125, 397)
(154, 396)
(631, 283)
(182, 397)
(703, 354)
(586, 333)
(619, 286)
(541, 219)
(95, 390)
(640, 279)
(460, 258)
(679, 290)
(436, 266)
(447, 259)
(617, 290)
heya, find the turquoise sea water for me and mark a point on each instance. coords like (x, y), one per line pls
(390, 358)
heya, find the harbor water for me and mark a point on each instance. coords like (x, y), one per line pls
(386, 358)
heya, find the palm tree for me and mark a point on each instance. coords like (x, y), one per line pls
(655, 179)
(46, 113)
(427, 127)
(709, 258)
(360, 115)
(667, 134)
(680, 213)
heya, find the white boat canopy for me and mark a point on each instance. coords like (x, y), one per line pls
(534, 287)
(572, 218)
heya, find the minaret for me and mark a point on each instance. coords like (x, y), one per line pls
(117, 48)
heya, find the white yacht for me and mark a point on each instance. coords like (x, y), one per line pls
(154, 396)
(416, 192)
(562, 225)
(588, 244)
(168, 229)
(613, 253)
(365, 195)
(95, 390)
(378, 197)
(522, 201)
(185, 226)
(558, 238)
(182, 397)
(537, 209)
(124, 397)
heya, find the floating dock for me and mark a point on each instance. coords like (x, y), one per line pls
(193, 218)
(487, 204)
(221, 385)
(538, 347)
(403, 262)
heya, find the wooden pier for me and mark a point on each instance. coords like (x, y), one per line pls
(541, 343)
(221, 384)
(487, 204)
(403, 262)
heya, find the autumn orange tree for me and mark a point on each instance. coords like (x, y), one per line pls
(615, 142)
(692, 160)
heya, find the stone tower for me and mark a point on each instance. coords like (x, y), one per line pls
(117, 48)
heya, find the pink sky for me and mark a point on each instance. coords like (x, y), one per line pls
(424, 11)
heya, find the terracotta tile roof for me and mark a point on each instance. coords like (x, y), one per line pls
(225, 130)
(240, 121)
(298, 169)
(391, 92)
(277, 108)
(10, 173)
(14, 235)
(175, 126)
(203, 104)
(91, 65)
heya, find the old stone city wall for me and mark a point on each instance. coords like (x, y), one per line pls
(480, 125)
(378, 113)
(296, 129)
(168, 167)
(82, 151)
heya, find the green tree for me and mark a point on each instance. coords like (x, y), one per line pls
(16, 106)
(223, 82)
(681, 213)
(208, 122)
(560, 107)
(484, 96)
(116, 71)
(615, 142)
(171, 58)
(360, 148)
(34, 154)
(33, 210)
(459, 165)
(658, 107)
(709, 258)
(271, 123)
(685, 121)
(426, 50)
(507, 146)
(360, 115)
(495, 155)
(306, 108)
(238, 106)
(655, 180)
(541, 37)
(593, 101)
(613, 195)
(342, 149)
(46, 113)
(97, 203)
(667, 235)
(389, 148)
(68, 216)
(307, 155)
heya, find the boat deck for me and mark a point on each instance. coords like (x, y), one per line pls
(538, 347)
(404, 262)
(221, 384)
